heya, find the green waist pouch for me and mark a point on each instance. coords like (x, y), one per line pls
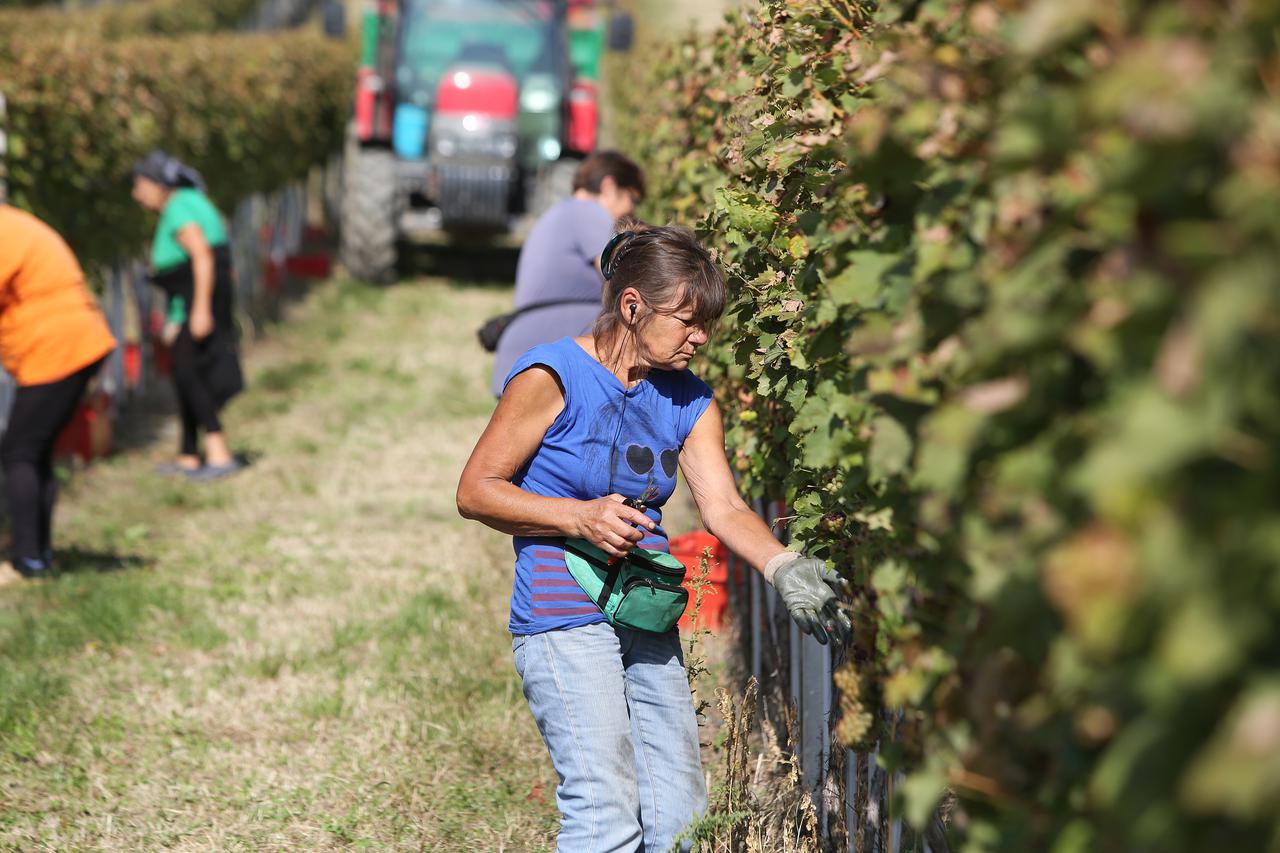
(642, 591)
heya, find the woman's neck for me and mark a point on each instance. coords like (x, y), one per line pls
(620, 356)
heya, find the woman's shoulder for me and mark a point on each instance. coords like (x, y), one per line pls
(560, 347)
(189, 200)
(557, 355)
(583, 208)
(686, 397)
(564, 221)
(559, 358)
(683, 385)
(15, 217)
(682, 388)
(23, 230)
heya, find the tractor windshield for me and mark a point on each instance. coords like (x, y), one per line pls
(516, 35)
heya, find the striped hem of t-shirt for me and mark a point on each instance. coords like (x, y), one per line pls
(555, 592)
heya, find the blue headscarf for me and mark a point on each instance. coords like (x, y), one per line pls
(168, 171)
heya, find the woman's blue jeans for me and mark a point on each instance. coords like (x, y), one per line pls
(614, 708)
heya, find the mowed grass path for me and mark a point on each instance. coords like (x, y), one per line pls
(311, 655)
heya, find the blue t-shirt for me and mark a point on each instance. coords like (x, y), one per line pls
(605, 440)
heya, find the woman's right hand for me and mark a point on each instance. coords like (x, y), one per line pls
(810, 592)
(169, 335)
(611, 525)
(200, 323)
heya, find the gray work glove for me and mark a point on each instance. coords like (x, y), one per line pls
(808, 589)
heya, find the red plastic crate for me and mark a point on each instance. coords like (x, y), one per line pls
(88, 434)
(160, 358)
(272, 272)
(688, 548)
(132, 364)
(314, 265)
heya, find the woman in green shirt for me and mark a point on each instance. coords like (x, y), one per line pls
(191, 262)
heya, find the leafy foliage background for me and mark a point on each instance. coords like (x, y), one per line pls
(138, 17)
(1003, 334)
(252, 112)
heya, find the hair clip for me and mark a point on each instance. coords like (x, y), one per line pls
(608, 261)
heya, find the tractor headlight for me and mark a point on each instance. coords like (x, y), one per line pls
(536, 100)
(539, 93)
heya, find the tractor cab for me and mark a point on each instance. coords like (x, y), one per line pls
(465, 110)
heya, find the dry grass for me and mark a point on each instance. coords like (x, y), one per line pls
(760, 804)
(311, 655)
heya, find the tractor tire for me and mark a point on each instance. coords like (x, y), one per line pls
(370, 215)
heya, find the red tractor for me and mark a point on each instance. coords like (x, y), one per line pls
(468, 116)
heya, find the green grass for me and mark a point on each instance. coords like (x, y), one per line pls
(84, 615)
(291, 376)
(311, 655)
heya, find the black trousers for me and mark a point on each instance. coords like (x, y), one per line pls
(206, 373)
(26, 454)
(198, 404)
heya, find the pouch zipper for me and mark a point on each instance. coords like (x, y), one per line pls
(658, 568)
(651, 583)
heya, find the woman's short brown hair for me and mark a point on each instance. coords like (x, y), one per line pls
(609, 164)
(670, 269)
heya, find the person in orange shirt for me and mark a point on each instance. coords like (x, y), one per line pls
(53, 340)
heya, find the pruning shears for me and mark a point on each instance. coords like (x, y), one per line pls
(636, 505)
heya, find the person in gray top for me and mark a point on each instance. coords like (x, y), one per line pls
(560, 259)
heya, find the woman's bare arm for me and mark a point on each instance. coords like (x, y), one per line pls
(191, 238)
(808, 589)
(724, 513)
(529, 405)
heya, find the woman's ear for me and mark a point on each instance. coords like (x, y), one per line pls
(629, 303)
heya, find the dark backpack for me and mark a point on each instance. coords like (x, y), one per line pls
(491, 332)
